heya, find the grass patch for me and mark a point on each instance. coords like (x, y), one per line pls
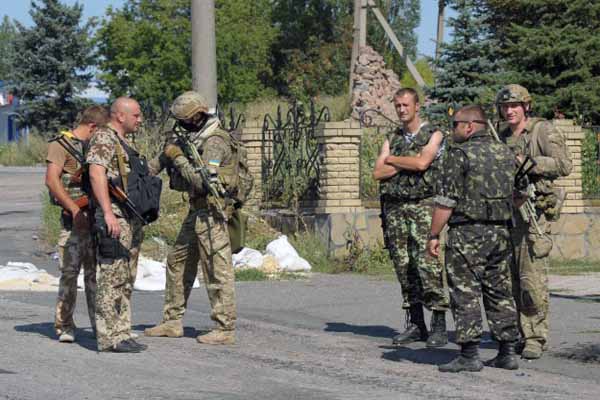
(28, 152)
(573, 267)
(250, 274)
(50, 227)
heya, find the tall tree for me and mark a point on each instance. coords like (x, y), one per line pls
(553, 49)
(145, 49)
(51, 64)
(311, 55)
(467, 64)
(404, 17)
(8, 33)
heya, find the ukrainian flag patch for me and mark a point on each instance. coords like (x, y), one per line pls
(214, 163)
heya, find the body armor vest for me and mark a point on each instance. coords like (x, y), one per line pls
(489, 181)
(411, 185)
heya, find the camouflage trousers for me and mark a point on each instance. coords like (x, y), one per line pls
(421, 277)
(203, 239)
(478, 260)
(115, 278)
(530, 279)
(76, 250)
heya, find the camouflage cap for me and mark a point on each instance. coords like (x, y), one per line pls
(513, 94)
(188, 104)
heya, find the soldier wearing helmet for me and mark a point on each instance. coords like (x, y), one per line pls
(203, 238)
(540, 140)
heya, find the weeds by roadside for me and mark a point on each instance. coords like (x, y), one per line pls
(50, 228)
(573, 267)
(24, 152)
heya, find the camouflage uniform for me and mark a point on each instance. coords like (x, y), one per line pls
(203, 237)
(115, 276)
(546, 146)
(75, 247)
(407, 210)
(477, 182)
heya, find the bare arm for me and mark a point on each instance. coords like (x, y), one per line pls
(100, 187)
(383, 170)
(419, 162)
(441, 215)
(56, 188)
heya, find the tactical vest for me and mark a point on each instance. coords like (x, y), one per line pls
(411, 185)
(235, 175)
(489, 181)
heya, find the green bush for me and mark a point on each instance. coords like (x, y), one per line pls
(590, 169)
(28, 152)
(370, 145)
(50, 228)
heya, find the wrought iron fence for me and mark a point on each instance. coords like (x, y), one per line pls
(375, 128)
(290, 154)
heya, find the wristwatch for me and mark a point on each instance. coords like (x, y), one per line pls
(434, 237)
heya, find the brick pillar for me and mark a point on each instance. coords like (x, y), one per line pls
(252, 139)
(572, 184)
(339, 181)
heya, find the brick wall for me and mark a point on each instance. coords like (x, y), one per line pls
(574, 134)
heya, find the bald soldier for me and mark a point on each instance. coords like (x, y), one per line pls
(111, 157)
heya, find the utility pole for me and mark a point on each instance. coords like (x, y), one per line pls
(359, 34)
(204, 50)
(440, 29)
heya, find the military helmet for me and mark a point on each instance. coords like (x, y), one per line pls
(513, 94)
(188, 104)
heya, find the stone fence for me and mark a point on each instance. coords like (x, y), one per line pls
(339, 217)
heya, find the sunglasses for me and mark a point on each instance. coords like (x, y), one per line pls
(456, 122)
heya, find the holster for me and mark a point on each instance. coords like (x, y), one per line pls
(109, 247)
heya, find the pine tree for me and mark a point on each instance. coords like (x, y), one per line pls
(8, 33)
(51, 65)
(468, 65)
(553, 49)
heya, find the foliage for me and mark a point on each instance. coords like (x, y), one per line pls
(51, 226)
(8, 33)
(370, 145)
(26, 152)
(145, 49)
(312, 248)
(553, 49)
(50, 67)
(467, 64)
(310, 56)
(590, 165)
(573, 267)
(404, 17)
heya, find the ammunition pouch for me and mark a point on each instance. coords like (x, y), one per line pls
(540, 245)
(109, 247)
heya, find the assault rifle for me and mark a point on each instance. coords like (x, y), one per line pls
(215, 187)
(116, 192)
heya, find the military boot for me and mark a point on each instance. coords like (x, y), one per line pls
(439, 335)
(217, 336)
(172, 328)
(468, 360)
(532, 350)
(415, 327)
(506, 357)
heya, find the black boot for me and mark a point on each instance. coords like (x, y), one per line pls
(506, 357)
(415, 327)
(439, 336)
(467, 361)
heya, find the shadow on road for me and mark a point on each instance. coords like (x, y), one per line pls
(85, 338)
(365, 330)
(589, 298)
(419, 356)
(188, 331)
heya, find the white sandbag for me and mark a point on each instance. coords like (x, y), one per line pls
(25, 276)
(287, 257)
(247, 258)
(151, 275)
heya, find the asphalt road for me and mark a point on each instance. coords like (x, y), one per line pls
(327, 337)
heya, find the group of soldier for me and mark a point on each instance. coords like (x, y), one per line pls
(475, 182)
(495, 193)
(108, 192)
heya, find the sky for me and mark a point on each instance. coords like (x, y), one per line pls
(19, 10)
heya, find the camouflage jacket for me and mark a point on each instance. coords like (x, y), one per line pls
(182, 174)
(478, 180)
(546, 145)
(104, 150)
(411, 185)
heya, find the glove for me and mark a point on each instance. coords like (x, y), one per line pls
(173, 151)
